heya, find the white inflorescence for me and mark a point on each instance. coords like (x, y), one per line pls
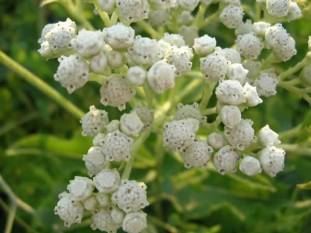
(125, 61)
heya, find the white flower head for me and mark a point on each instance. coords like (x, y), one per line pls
(250, 166)
(236, 71)
(232, 16)
(80, 187)
(214, 66)
(230, 115)
(266, 84)
(107, 180)
(95, 160)
(181, 58)
(99, 63)
(249, 45)
(226, 160)
(189, 111)
(272, 160)
(103, 221)
(277, 8)
(216, 140)
(136, 75)
(251, 95)
(131, 124)
(119, 36)
(135, 222)
(230, 92)
(204, 45)
(133, 10)
(268, 137)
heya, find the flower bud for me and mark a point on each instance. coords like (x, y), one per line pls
(250, 166)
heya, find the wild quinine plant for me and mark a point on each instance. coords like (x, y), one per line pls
(138, 70)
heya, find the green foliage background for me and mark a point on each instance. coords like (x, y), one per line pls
(41, 148)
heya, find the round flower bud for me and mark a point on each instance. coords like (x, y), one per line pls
(103, 221)
(185, 18)
(94, 121)
(68, 209)
(99, 139)
(131, 124)
(189, 33)
(174, 39)
(266, 84)
(115, 58)
(116, 92)
(107, 5)
(277, 8)
(55, 38)
(268, 137)
(230, 92)
(133, 10)
(103, 199)
(161, 76)
(117, 146)
(88, 43)
(261, 27)
(306, 74)
(119, 36)
(249, 45)
(250, 166)
(272, 160)
(204, 45)
(158, 17)
(231, 54)
(145, 51)
(216, 140)
(94, 160)
(180, 134)
(146, 115)
(80, 187)
(131, 196)
(189, 111)
(225, 160)
(180, 58)
(244, 28)
(107, 180)
(241, 135)
(135, 222)
(99, 63)
(232, 16)
(188, 5)
(197, 154)
(117, 215)
(72, 72)
(230, 115)
(294, 11)
(281, 43)
(90, 203)
(251, 95)
(214, 67)
(237, 72)
(136, 75)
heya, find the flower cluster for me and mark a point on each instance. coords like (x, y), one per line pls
(130, 66)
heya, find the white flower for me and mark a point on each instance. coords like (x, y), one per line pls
(294, 11)
(88, 43)
(131, 124)
(214, 66)
(241, 135)
(189, 5)
(103, 221)
(145, 114)
(204, 45)
(80, 187)
(117, 215)
(161, 76)
(189, 33)
(116, 92)
(266, 84)
(249, 45)
(230, 92)
(117, 146)
(145, 51)
(232, 16)
(277, 8)
(68, 209)
(107, 180)
(189, 111)
(158, 17)
(268, 137)
(90, 203)
(174, 39)
(181, 58)
(103, 199)
(136, 75)
(180, 134)
(251, 95)
(272, 160)
(244, 28)
(131, 196)
(99, 63)
(225, 160)
(261, 27)
(306, 74)
(230, 115)
(216, 140)
(250, 166)
(236, 71)
(94, 121)
(55, 38)
(72, 72)
(231, 54)
(163, 4)
(119, 36)
(113, 126)
(107, 5)
(197, 154)
(133, 10)
(95, 160)
(135, 222)
(115, 58)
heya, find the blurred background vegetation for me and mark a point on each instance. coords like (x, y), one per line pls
(41, 148)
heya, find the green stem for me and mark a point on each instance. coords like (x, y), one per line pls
(294, 69)
(10, 221)
(199, 20)
(297, 149)
(288, 134)
(102, 14)
(41, 85)
(149, 29)
(162, 224)
(14, 199)
(207, 93)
